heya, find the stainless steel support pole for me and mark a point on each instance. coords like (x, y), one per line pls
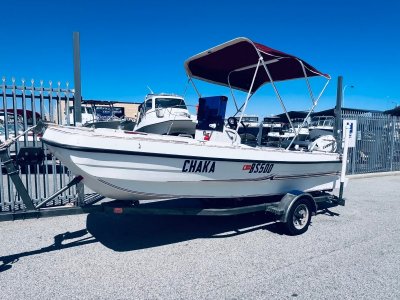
(344, 161)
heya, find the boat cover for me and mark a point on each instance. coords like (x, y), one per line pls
(233, 64)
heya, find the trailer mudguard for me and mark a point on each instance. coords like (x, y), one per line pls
(291, 197)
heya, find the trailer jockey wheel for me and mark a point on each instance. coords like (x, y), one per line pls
(299, 217)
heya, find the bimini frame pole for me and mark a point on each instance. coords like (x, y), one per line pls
(314, 102)
(276, 92)
(233, 95)
(249, 94)
(194, 86)
(308, 115)
(240, 108)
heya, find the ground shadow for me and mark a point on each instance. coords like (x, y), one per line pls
(59, 239)
(133, 232)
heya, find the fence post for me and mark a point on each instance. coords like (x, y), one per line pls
(354, 149)
(392, 120)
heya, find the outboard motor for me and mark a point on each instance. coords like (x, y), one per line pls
(325, 143)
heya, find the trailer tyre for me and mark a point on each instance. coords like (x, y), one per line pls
(299, 217)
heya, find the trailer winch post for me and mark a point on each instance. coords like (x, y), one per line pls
(13, 172)
(344, 161)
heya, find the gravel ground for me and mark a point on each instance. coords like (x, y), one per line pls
(352, 254)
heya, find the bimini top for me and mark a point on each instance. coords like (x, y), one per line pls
(233, 64)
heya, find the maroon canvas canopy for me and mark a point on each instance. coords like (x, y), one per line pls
(235, 62)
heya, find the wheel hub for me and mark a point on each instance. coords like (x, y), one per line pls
(300, 216)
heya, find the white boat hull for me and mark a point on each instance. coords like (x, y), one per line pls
(126, 167)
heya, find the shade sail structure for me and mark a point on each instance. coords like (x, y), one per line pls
(234, 63)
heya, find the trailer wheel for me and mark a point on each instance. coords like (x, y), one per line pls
(299, 217)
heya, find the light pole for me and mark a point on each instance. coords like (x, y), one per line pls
(344, 88)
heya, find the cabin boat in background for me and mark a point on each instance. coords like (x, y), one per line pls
(87, 114)
(321, 125)
(299, 131)
(270, 124)
(134, 165)
(320, 134)
(165, 114)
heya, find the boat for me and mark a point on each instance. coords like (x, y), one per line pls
(129, 165)
(319, 133)
(298, 132)
(88, 115)
(321, 125)
(15, 126)
(100, 114)
(270, 124)
(108, 116)
(165, 114)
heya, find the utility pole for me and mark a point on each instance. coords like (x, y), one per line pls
(80, 188)
(338, 112)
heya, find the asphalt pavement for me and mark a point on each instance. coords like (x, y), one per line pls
(350, 252)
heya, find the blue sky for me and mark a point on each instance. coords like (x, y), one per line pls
(129, 45)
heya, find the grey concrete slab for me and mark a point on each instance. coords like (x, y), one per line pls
(352, 254)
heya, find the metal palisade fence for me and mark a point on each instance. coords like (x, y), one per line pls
(22, 106)
(377, 147)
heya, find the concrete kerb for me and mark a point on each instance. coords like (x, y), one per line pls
(369, 175)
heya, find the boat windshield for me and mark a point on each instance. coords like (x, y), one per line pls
(322, 121)
(250, 119)
(170, 103)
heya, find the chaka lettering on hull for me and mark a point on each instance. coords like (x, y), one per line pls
(198, 166)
